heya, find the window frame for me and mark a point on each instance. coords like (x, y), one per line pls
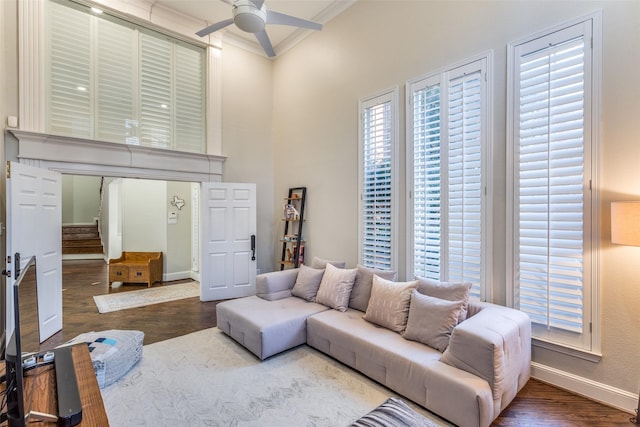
(390, 95)
(589, 347)
(484, 63)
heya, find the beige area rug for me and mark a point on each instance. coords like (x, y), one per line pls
(143, 297)
(207, 379)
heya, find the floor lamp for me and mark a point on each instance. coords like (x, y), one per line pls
(625, 230)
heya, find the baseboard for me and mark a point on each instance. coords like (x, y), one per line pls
(611, 396)
(195, 276)
(178, 275)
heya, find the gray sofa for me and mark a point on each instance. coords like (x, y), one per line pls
(485, 363)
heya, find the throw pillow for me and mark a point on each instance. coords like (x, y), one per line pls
(361, 291)
(448, 291)
(335, 287)
(322, 263)
(431, 320)
(307, 283)
(389, 303)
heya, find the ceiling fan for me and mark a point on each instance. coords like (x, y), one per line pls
(252, 16)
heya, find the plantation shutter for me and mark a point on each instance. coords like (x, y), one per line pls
(552, 195)
(376, 245)
(427, 181)
(69, 87)
(464, 232)
(155, 91)
(116, 120)
(189, 102)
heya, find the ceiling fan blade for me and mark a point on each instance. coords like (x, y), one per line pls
(258, 3)
(214, 27)
(282, 19)
(263, 38)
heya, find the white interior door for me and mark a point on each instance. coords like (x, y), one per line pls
(228, 219)
(34, 227)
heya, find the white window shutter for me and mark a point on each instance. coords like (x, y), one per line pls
(69, 84)
(550, 180)
(378, 130)
(427, 182)
(116, 119)
(156, 108)
(190, 106)
(464, 232)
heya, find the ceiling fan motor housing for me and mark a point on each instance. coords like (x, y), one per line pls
(248, 17)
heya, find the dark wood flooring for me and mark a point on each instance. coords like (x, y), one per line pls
(538, 404)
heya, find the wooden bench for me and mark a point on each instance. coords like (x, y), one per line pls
(136, 267)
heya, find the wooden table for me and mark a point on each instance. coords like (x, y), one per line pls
(45, 396)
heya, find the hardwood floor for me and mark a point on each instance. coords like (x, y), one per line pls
(538, 404)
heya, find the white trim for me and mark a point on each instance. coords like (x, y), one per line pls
(214, 100)
(593, 390)
(389, 95)
(31, 65)
(176, 275)
(594, 298)
(98, 158)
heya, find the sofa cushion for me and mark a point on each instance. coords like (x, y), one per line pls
(335, 287)
(276, 284)
(307, 283)
(447, 291)
(431, 320)
(322, 263)
(389, 303)
(361, 291)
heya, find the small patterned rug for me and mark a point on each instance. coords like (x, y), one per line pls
(132, 299)
(207, 379)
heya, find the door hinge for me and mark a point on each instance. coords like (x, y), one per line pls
(590, 327)
(8, 169)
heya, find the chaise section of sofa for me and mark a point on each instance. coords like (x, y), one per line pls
(271, 322)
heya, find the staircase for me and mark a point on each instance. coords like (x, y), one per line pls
(81, 239)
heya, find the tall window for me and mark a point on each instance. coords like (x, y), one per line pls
(552, 203)
(378, 146)
(448, 160)
(113, 81)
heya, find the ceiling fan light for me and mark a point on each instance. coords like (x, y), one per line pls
(248, 17)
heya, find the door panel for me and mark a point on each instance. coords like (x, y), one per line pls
(34, 227)
(229, 220)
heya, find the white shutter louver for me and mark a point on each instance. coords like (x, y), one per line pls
(377, 187)
(464, 236)
(69, 78)
(550, 181)
(189, 102)
(426, 182)
(116, 120)
(155, 91)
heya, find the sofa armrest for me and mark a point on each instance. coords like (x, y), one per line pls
(495, 345)
(276, 284)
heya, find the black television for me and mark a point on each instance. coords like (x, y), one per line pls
(23, 348)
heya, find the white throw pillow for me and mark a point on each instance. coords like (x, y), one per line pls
(307, 283)
(431, 320)
(389, 303)
(335, 287)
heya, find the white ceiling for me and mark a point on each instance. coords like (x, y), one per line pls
(282, 37)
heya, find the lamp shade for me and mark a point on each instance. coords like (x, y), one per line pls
(625, 223)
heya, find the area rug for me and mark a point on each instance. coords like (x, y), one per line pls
(207, 379)
(132, 299)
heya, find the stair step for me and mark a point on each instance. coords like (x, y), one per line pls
(82, 250)
(80, 243)
(80, 236)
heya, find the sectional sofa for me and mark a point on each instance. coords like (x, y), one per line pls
(462, 360)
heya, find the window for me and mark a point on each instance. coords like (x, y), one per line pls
(114, 81)
(448, 155)
(378, 157)
(552, 203)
